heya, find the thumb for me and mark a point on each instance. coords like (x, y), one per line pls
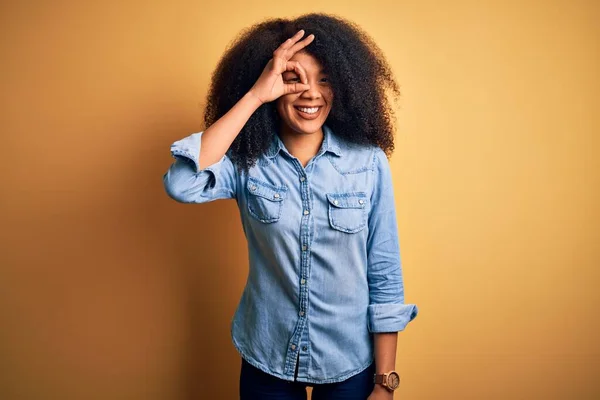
(296, 87)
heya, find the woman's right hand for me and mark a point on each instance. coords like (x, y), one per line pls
(270, 85)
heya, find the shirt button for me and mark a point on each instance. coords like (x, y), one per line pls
(302, 313)
(302, 179)
(361, 201)
(306, 212)
(252, 187)
(304, 247)
(293, 347)
(303, 281)
(276, 195)
(336, 202)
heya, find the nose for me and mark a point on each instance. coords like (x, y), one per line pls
(314, 92)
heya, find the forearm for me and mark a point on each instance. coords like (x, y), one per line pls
(385, 351)
(217, 138)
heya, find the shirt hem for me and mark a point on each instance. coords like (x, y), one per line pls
(265, 369)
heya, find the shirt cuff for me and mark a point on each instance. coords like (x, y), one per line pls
(390, 317)
(188, 150)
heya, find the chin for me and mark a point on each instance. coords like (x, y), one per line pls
(307, 128)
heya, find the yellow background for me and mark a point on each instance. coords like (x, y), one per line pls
(111, 290)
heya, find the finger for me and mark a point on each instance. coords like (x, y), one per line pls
(300, 45)
(290, 42)
(298, 69)
(295, 87)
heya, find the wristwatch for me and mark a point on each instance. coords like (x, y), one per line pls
(389, 380)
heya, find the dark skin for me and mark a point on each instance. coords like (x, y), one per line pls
(362, 113)
(303, 138)
(241, 108)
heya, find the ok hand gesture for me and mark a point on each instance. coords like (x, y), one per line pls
(270, 85)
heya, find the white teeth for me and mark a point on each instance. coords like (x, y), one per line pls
(309, 110)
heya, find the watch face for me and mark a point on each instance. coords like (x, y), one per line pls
(393, 380)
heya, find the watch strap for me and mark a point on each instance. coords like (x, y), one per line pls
(379, 378)
(382, 379)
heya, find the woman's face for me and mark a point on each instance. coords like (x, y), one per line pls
(297, 110)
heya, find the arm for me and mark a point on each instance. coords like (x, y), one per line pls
(185, 182)
(218, 137)
(202, 171)
(385, 351)
(269, 86)
(387, 312)
(385, 361)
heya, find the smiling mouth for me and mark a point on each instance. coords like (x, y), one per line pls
(308, 112)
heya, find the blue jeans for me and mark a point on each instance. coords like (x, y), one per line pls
(258, 385)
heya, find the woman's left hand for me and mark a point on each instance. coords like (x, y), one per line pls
(380, 393)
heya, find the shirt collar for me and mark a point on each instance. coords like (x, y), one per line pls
(330, 143)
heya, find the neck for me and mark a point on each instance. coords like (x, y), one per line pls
(303, 146)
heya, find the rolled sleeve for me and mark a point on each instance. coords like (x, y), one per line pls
(187, 183)
(387, 311)
(390, 317)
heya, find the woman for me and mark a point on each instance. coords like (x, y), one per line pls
(302, 145)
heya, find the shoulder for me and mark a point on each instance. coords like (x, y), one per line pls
(380, 160)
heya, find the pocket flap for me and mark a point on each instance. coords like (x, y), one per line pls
(266, 190)
(348, 200)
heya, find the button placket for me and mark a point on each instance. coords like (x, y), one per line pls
(304, 257)
(304, 267)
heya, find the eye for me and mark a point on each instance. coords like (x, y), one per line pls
(325, 79)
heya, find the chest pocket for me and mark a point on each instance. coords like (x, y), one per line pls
(265, 201)
(348, 212)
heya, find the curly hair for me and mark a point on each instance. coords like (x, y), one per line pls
(357, 70)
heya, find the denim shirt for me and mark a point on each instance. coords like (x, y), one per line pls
(323, 249)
